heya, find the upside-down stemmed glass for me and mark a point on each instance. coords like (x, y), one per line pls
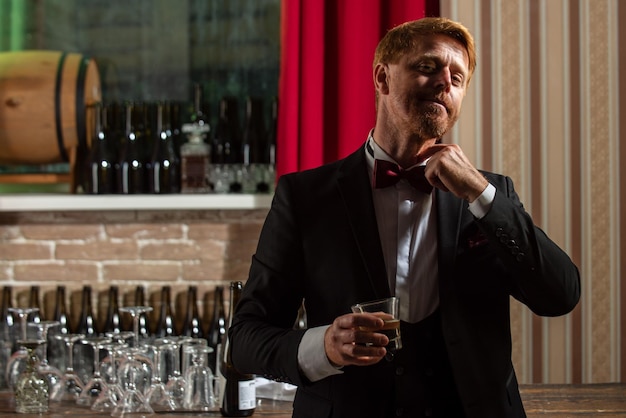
(72, 386)
(157, 396)
(135, 371)
(17, 361)
(133, 377)
(53, 375)
(136, 355)
(199, 394)
(31, 389)
(96, 384)
(135, 312)
(176, 382)
(108, 370)
(112, 393)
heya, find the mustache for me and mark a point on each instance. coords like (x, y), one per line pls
(437, 98)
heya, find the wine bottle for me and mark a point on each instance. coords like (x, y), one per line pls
(86, 322)
(132, 176)
(113, 320)
(177, 129)
(60, 312)
(7, 316)
(8, 323)
(192, 327)
(256, 149)
(140, 300)
(56, 348)
(239, 393)
(217, 328)
(167, 322)
(226, 144)
(34, 303)
(226, 147)
(164, 174)
(272, 137)
(83, 353)
(99, 170)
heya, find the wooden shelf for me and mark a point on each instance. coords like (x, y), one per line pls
(77, 202)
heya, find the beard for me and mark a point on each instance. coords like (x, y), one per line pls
(433, 122)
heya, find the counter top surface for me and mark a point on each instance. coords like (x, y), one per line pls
(540, 401)
(266, 408)
(74, 202)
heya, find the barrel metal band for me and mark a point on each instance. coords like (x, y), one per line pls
(81, 123)
(57, 107)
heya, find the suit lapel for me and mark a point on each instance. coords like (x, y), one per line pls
(356, 191)
(449, 215)
(355, 188)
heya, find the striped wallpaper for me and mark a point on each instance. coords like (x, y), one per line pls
(545, 107)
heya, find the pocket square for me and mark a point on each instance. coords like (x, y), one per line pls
(477, 239)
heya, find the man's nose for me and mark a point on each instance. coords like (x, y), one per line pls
(443, 79)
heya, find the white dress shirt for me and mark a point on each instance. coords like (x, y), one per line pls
(407, 226)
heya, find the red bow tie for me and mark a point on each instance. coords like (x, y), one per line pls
(387, 174)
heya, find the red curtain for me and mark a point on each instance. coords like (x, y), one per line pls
(326, 92)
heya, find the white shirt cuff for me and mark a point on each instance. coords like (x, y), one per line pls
(481, 206)
(312, 356)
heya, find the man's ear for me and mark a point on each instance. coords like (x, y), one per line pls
(381, 78)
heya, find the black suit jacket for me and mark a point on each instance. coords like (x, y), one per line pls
(320, 243)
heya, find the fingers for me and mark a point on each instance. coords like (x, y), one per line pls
(450, 170)
(352, 340)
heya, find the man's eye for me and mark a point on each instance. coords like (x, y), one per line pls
(427, 68)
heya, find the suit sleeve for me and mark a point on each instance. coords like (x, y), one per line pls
(263, 340)
(544, 277)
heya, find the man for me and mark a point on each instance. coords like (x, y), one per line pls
(350, 232)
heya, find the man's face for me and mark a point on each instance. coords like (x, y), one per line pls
(426, 87)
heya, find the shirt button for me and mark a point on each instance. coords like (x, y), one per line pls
(499, 232)
(399, 412)
(520, 257)
(399, 371)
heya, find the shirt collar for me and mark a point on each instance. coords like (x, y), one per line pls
(374, 152)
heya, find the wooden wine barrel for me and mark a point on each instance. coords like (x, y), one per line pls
(44, 97)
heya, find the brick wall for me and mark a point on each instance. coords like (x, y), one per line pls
(126, 248)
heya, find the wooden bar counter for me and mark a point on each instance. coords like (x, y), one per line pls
(540, 401)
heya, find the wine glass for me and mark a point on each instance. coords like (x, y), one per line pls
(187, 349)
(107, 368)
(131, 373)
(52, 374)
(135, 371)
(17, 361)
(31, 389)
(73, 386)
(135, 312)
(157, 396)
(176, 382)
(199, 394)
(112, 393)
(96, 384)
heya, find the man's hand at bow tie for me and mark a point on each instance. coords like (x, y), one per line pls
(451, 171)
